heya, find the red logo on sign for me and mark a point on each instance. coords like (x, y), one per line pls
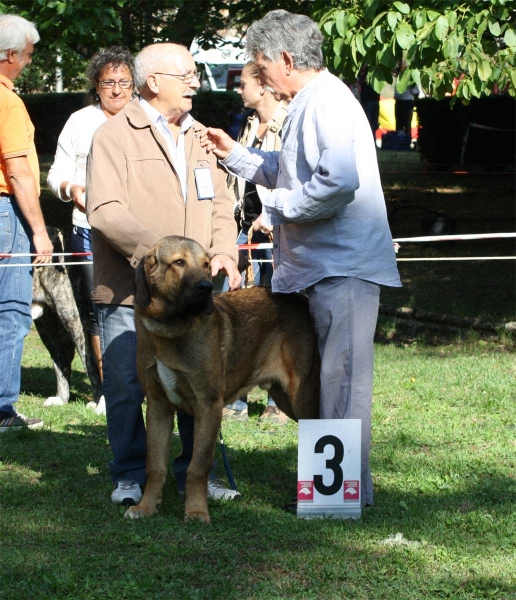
(305, 491)
(351, 491)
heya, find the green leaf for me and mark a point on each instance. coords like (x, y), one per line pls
(416, 77)
(403, 81)
(337, 46)
(368, 38)
(496, 74)
(419, 18)
(341, 21)
(471, 25)
(510, 38)
(451, 17)
(404, 35)
(481, 28)
(354, 53)
(473, 89)
(387, 57)
(378, 80)
(61, 7)
(494, 28)
(352, 20)
(451, 47)
(392, 19)
(484, 70)
(472, 67)
(370, 7)
(378, 18)
(441, 27)
(402, 7)
(513, 77)
(432, 15)
(425, 31)
(328, 26)
(359, 42)
(337, 59)
(378, 32)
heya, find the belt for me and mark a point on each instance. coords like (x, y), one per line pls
(3, 195)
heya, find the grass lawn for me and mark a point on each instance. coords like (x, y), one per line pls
(443, 459)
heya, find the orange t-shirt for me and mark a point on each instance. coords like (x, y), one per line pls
(16, 133)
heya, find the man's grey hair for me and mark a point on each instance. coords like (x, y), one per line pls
(15, 33)
(153, 59)
(282, 31)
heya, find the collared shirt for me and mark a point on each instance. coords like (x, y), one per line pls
(16, 134)
(176, 151)
(327, 207)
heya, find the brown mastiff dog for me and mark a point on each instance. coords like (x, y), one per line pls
(197, 353)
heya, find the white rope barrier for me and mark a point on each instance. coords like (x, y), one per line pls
(269, 245)
(425, 238)
(57, 264)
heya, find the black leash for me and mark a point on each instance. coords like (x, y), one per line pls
(226, 463)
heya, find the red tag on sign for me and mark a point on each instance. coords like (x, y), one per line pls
(305, 491)
(351, 491)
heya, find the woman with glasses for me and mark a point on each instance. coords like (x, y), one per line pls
(111, 86)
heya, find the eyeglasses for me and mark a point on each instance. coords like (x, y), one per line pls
(186, 78)
(124, 84)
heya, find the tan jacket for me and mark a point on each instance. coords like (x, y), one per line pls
(134, 199)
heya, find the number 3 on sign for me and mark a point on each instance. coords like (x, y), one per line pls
(329, 468)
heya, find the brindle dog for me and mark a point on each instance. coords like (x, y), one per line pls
(61, 315)
(197, 353)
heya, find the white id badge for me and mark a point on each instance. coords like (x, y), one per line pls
(204, 182)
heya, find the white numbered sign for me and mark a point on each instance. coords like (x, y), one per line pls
(328, 480)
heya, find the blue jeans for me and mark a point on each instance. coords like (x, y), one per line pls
(15, 301)
(124, 398)
(81, 242)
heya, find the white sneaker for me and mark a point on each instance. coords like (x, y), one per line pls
(217, 491)
(127, 493)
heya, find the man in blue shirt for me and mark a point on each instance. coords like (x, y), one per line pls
(331, 235)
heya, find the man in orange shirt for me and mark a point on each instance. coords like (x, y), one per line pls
(22, 229)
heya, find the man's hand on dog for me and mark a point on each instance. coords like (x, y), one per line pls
(222, 262)
(217, 141)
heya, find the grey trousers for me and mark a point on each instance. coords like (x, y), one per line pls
(344, 312)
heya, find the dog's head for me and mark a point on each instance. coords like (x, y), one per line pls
(174, 280)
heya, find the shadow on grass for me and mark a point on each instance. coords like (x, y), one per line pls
(62, 531)
(41, 381)
(74, 464)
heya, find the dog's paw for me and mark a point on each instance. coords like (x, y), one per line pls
(99, 408)
(54, 401)
(139, 512)
(199, 516)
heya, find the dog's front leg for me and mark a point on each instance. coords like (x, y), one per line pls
(160, 424)
(208, 417)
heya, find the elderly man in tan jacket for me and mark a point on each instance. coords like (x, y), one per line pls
(142, 183)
